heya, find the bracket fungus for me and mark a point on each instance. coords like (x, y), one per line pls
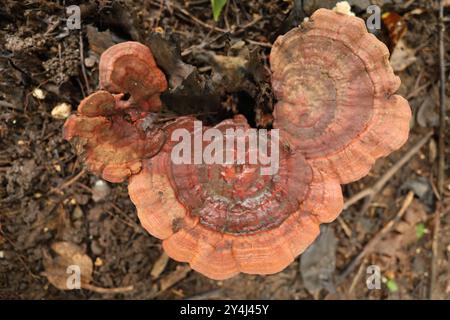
(129, 67)
(335, 90)
(336, 114)
(229, 218)
(115, 134)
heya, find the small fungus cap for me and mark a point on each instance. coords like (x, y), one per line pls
(129, 67)
(113, 141)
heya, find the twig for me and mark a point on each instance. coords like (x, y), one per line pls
(69, 182)
(441, 163)
(442, 117)
(83, 69)
(248, 25)
(357, 277)
(345, 227)
(259, 43)
(198, 21)
(235, 32)
(374, 241)
(371, 192)
(213, 294)
(435, 251)
(91, 287)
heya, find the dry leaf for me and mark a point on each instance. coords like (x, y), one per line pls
(57, 268)
(402, 56)
(60, 268)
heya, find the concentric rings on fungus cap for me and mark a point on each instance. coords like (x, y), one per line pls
(129, 67)
(115, 135)
(226, 219)
(336, 88)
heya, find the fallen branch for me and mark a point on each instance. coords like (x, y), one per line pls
(442, 113)
(69, 182)
(441, 164)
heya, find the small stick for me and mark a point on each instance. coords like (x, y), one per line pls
(442, 115)
(374, 241)
(69, 182)
(435, 251)
(83, 69)
(441, 160)
(345, 227)
(259, 43)
(378, 186)
(93, 288)
(357, 277)
(198, 21)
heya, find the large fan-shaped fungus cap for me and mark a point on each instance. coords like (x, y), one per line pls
(336, 95)
(112, 138)
(226, 219)
(129, 67)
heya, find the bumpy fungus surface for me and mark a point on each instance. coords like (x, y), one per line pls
(112, 140)
(114, 134)
(337, 113)
(129, 67)
(226, 219)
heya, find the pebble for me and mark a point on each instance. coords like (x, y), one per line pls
(96, 248)
(100, 190)
(90, 61)
(39, 94)
(77, 213)
(61, 111)
(98, 262)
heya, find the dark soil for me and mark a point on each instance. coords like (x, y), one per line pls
(46, 196)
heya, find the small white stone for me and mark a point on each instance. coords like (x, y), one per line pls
(344, 8)
(90, 61)
(2, 254)
(100, 190)
(61, 111)
(39, 94)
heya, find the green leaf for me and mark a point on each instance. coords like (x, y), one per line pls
(420, 230)
(392, 285)
(217, 6)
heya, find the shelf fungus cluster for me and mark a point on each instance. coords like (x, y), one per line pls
(337, 112)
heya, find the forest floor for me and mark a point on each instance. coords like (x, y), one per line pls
(46, 196)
